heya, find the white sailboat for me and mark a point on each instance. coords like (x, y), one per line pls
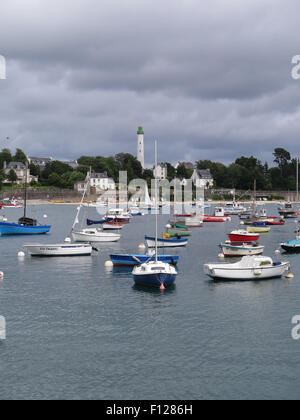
(90, 234)
(155, 273)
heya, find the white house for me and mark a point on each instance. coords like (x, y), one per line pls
(203, 178)
(100, 181)
(161, 171)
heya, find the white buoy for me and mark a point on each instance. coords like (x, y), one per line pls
(142, 246)
(109, 264)
(45, 216)
(1, 274)
(221, 256)
(21, 254)
(68, 240)
(277, 252)
(290, 275)
(242, 223)
(168, 226)
(4, 219)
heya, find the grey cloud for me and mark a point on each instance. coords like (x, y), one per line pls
(210, 79)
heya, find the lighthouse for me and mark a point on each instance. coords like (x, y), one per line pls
(140, 147)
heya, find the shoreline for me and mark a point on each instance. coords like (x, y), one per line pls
(40, 202)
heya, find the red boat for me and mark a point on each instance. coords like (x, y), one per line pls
(183, 215)
(276, 223)
(243, 236)
(208, 219)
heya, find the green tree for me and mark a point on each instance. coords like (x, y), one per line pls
(20, 156)
(12, 176)
(5, 156)
(182, 172)
(35, 170)
(282, 157)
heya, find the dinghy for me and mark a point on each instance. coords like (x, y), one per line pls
(249, 268)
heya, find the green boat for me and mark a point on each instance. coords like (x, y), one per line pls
(173, 232)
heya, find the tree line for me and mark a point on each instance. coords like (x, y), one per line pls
(239, 175)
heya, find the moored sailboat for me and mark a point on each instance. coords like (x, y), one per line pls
(155, 273)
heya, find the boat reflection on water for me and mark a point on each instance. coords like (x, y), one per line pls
(154, 290)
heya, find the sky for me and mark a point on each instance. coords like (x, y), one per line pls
(209, 79)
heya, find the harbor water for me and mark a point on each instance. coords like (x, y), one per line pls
(78, 331)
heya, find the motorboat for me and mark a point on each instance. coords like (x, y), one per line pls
(58, 250)
(233, 208)
(94, 235)
(292, 246)
(241, 249)
(243, 236)
(118, 215)
(248, 268)
(288, 211)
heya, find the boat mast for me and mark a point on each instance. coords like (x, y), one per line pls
(156, 204)
(25, 191)
(254, 200)
(82, 200)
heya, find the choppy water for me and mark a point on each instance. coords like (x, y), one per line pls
(76, 331)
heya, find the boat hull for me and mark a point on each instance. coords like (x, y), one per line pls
(129, 261)
(243, 238)
(58, 250)
(98, 237)
(241, 251)
(7, 229)
(166, 243)
(178, 232)
(154, 280)
(256, 229)
(246, 273)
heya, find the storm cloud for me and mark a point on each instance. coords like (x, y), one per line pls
(209, 79)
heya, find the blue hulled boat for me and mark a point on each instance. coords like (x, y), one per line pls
(155, 274)
(130, 260)
(25, 225)
(22, 229)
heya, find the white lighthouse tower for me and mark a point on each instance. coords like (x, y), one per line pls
(140, 147)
